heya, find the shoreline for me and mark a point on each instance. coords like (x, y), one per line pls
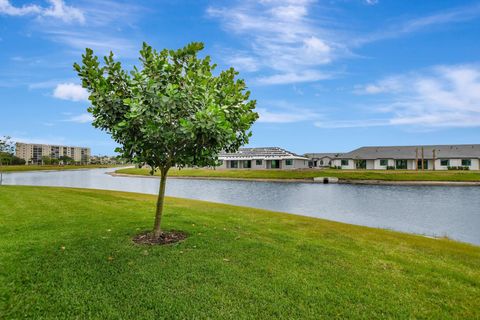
(288, 214)
(310, 180)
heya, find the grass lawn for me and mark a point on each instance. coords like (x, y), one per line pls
(388, 175)
(67, 253)
(53, 167)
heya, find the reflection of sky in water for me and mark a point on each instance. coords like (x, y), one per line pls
(437, 210)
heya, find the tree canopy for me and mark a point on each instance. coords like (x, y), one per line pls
(172, 111)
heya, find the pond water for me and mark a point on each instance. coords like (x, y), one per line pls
(427, 210)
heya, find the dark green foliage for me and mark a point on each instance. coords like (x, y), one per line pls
(66, 160)
(6, 153)
(458, 168)
(173, 111)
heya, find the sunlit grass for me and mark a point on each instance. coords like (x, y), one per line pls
(67, 253)
(387, 175)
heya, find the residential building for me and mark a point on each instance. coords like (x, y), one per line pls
(427, 157)
(106, 160)
(33, 153)
(322, 160)
(262, 158)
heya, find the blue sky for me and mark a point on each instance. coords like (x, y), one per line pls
(328, 75)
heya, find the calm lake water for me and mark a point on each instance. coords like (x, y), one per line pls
(427, 210)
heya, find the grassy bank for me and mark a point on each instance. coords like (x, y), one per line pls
(67, 253)
(53, 167)
(387, 175)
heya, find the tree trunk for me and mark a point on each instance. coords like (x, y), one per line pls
(157, 231)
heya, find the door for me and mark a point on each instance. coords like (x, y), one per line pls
(361, 164)
(275, 164)
(424, 166)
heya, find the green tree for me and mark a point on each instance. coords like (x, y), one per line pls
(65, 160)
(173, 111)
(6, 150)
(46, 160)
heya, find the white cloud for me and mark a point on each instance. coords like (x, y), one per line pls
(63, 12)
(281, 38)
(284, 112)
(243, 63)
(442, 96)
(352, 123)
(7, 8)
(57, 9)
(46, 84)
(100, 43)
(52, 140)
(70, 91)
(267, 116)
(82, 118)
(293, 77)
(387, 85)
(453, 15)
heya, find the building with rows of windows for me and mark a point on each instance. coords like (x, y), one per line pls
(262, 158)
(428, 157)
(35, 153)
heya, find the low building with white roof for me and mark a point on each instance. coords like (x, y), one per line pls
(426, 157)
(262, 158)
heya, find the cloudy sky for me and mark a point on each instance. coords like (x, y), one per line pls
(328, 75)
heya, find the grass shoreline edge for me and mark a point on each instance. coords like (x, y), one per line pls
(146, 174)
(237, 262)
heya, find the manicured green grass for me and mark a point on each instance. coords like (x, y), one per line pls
(53, 167)
(388, 175)
(67, 253)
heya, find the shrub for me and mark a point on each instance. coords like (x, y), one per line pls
(458, 168)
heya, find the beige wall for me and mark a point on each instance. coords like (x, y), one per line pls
(34, 152)
(327, 162)
(411, 165)
(265, 164)
(349, 166)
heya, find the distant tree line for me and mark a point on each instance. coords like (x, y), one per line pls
(7, 156)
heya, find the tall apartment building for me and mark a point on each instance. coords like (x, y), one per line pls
(33, 153)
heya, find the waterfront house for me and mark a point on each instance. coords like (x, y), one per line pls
(262, 158)
(428, 157)
(322, 160)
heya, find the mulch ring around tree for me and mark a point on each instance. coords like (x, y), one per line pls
(167, 237)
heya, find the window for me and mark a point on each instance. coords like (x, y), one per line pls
(258, 162)
(444, 162)
(234, 164)
(344, 162)
(401, 164)
(466, 162)
(321, 162)
(383, 162)
(289, 162)
(247, 164)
